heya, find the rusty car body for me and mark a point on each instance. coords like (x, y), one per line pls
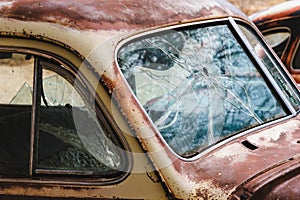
(130, 99)
(279, 24)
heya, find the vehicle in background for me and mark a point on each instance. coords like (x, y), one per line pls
(143, 100)
(279, 25)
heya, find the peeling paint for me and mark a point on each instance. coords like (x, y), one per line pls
(108, 15)
(234, 153)
(6, 4)
(269, 137)
(84, 26)
(208, 190)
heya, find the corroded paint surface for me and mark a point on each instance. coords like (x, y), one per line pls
(218, 173)
(221, 171)
(234, 164)
(280, 182)
(215, 174)
(103, 14)
(287, 190)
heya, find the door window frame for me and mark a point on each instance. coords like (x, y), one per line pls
(107, 122)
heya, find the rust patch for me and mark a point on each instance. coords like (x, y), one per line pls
(234, 164)
(110, 85)
(280, 182)
(103, 14)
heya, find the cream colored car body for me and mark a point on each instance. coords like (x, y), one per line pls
(88, 35)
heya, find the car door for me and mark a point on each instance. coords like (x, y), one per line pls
(58, 138)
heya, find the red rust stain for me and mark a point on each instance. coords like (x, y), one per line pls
(233, 163)
(108, 83)
(103, 14)
(287, 190)
(297, 78)
(280, 182)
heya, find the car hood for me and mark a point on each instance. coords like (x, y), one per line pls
(264, 162)
(280, 182)
(277, 162)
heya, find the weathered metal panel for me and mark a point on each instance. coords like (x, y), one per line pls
(116, 15)
(279, 182)
(215, 174)
(219, 172)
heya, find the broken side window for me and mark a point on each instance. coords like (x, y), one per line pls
(51, 124)
(70, 136)
(16, 71)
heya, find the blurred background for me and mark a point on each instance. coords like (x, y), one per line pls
(251, 6)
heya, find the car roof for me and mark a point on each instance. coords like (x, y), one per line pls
(287, 9)
(104, 14)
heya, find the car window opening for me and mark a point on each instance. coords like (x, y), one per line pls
(278, 39)
(198, 86)
(69, 138)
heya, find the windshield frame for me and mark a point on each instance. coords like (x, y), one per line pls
(242, 40)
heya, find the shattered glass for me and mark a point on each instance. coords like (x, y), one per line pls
(59, 92)
(23, 96)
(198, 86)
(70, 137)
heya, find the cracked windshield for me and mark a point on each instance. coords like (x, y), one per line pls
(198, 86)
